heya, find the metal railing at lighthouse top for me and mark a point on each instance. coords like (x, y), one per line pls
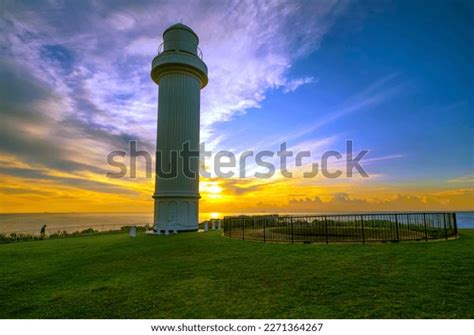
(161, 50)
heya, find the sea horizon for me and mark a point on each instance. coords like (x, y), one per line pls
(73, 221)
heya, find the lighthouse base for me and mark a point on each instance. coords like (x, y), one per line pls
(176, 214)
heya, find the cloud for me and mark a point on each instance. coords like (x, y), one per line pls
(251, 49)
(467, 179)
(373, 95)
(75, 79)
(102, 66)
(240, 187)
(35, 129)
(293, 84)
(342, 201)
(41, 175)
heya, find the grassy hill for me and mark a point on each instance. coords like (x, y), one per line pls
(205, 275)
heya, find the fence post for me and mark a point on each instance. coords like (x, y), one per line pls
(455, 224)
(292, 236)
(362, 224)
(396, 227)
(264, 229)
(445, 225)
(424, 222)
(326, 229)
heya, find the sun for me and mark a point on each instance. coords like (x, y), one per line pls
(211, 189)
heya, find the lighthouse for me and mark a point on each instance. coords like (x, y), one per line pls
(180, 73)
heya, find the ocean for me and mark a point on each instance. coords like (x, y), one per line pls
(70, 222)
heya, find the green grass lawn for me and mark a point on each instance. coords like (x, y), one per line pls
(205, 275)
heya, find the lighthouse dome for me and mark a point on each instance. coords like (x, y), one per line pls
(180, 37)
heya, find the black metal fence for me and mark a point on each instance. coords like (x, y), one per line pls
(342, 228)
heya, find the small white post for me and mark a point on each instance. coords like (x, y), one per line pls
(219, 224)
(213, 224)
(206, 226)
(133, 231)
(175, 231)
(167, 232)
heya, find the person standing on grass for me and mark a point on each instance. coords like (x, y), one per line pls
(43, 232)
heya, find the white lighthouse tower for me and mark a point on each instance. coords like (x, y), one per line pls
(181, 74)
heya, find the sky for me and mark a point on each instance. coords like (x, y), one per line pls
(395, 77)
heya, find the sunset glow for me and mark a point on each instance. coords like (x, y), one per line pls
(76, 86)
